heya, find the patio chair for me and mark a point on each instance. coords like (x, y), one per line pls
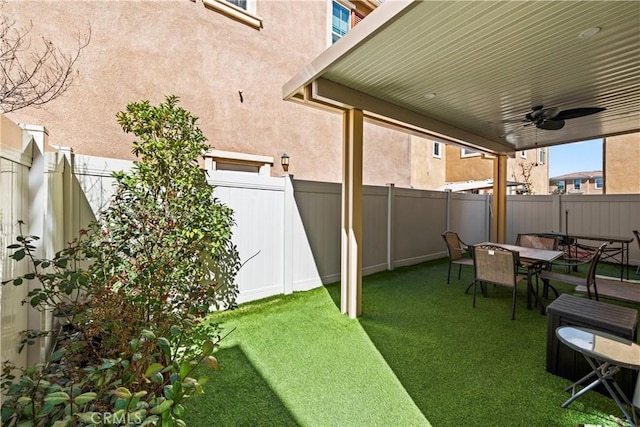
(589, 281)
(637, 234)
(456, 250)
(498, 266)
(539, 242)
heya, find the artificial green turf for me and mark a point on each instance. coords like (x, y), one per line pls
(297, 361)
(419, 352)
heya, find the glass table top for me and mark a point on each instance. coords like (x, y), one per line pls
(602, 346)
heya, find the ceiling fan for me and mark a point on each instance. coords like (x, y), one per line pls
(554, 118)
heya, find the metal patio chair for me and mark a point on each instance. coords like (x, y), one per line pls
(458, 252)
(589, 281)
(497, 266)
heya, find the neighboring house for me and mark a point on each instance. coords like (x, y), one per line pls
(578, 183)
(227, 62)
(620, 174)
(621, 163)
(528, 167)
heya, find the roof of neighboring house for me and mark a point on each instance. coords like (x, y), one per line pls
(472, 185)
(575, 175)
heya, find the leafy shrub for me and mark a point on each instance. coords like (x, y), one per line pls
(159, 258)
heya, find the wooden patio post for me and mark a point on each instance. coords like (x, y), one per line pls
(351, 241)
(499, 220)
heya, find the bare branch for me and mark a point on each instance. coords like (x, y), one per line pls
(33, 76)
(525, 174)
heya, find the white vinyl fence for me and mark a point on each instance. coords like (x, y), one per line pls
(287, 231)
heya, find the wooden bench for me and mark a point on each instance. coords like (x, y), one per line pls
(569, 310)
(621, 290)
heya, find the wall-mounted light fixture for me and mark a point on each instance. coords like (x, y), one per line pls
(284, 161)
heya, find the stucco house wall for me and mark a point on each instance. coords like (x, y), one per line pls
(226, 72)
(428, 171)
(622, 164)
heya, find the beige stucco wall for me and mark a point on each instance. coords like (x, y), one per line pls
(10, 134)
(539, 172)
(621, 160)
(427, 172)
(151, 49)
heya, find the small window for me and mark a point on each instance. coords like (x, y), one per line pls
(465, 152)
(340, 21)
(542, 156)
(560, 186)
(437, 150)
(523, 154)
(241, 10)
(599, 183)
(577, 184)
(242, 4)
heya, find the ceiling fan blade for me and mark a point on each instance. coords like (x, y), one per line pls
(577, 112)
(551, 113)
(551, 124)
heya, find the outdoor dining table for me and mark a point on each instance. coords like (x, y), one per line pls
(617, 249)
(606, 355)
(535, 258)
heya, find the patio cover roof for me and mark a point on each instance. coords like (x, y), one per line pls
(467, 72)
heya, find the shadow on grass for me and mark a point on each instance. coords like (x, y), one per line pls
(466, 366)
(250, 401)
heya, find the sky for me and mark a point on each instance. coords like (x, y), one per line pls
(576, 157)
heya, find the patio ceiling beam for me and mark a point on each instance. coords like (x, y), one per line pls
(327, 92)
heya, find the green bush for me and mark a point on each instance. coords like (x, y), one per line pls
(156, 261)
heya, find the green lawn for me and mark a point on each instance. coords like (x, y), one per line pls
(419, 355)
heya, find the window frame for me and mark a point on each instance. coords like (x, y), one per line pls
(579, 186)
(596, 185)
(346, 6)
(542, 156)
(467, 152)
(523, 154)
(250, 5)
(437, 153)
(246, 16)
(561, 185)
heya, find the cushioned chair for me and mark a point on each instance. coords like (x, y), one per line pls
(457, 251)
(589, 281)
(537, 241)
(498, 266)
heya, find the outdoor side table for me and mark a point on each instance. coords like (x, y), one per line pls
(569, 310)
(606, 354)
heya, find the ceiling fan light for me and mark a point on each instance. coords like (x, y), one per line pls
(589, 32)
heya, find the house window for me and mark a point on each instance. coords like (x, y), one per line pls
(523, 154)
(437, 150)
(242, 4)
(542, 156)
(560, 186)
(465, 152)
(340, 21)
(599, 183)
(577, 184)
(240, 10)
